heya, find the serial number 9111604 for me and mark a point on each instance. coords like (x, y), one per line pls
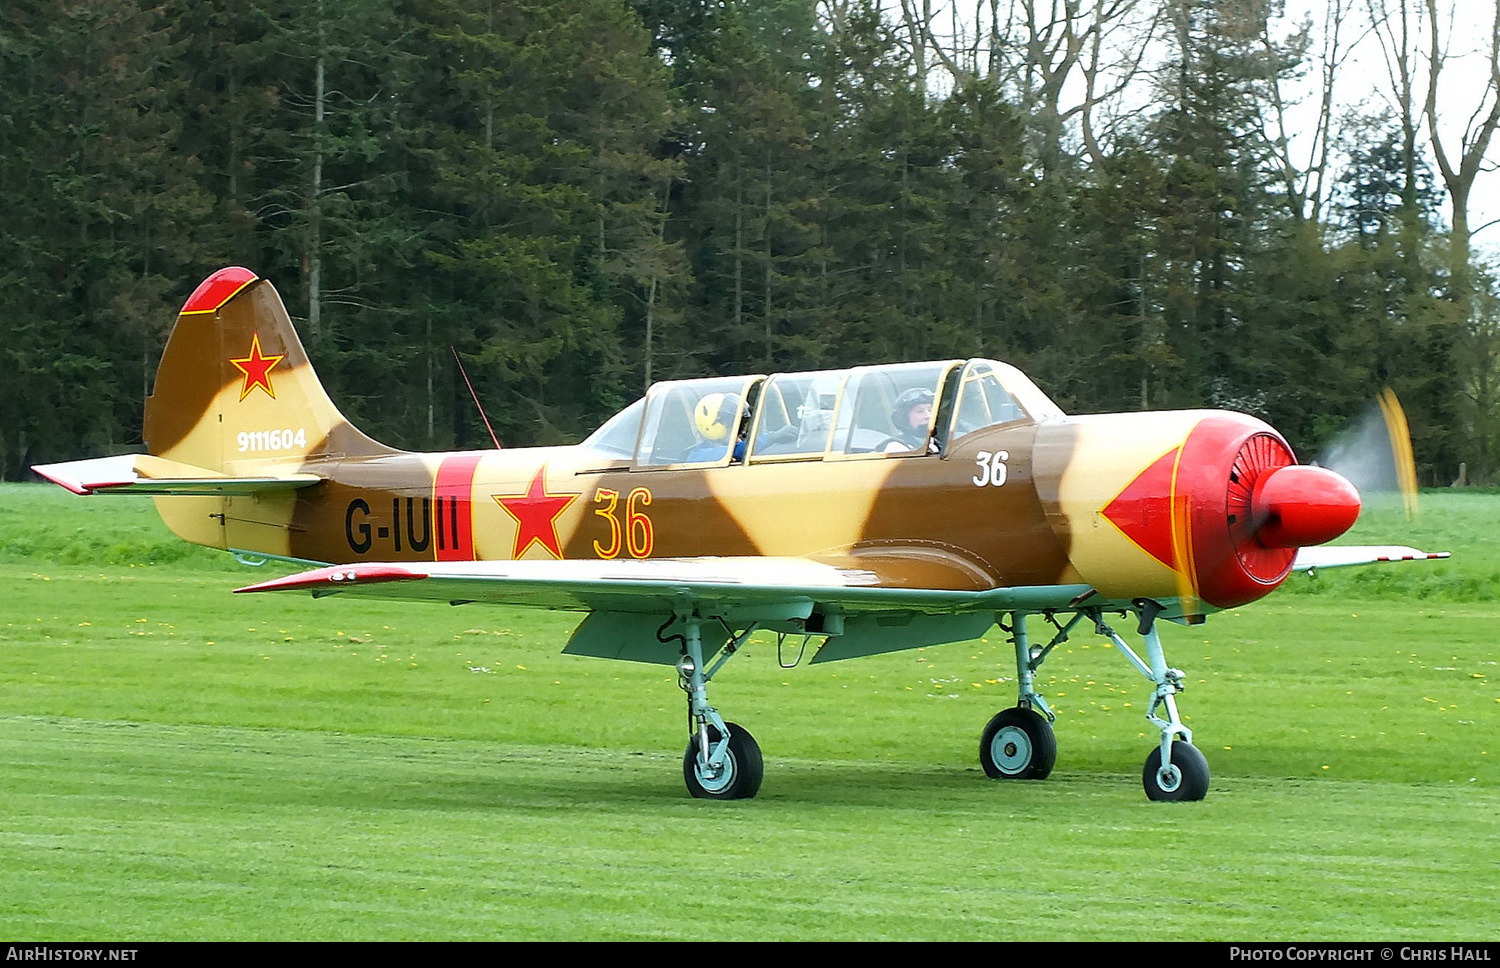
(263, 441)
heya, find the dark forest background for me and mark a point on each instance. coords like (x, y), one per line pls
(582, 196)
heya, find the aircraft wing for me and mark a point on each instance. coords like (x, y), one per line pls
(631, 603)
(863, 607)
(1337, 556)
(145, 474)
(655, 585)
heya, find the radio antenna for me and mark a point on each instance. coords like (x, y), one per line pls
(477, 405)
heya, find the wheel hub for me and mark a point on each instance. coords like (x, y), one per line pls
(717, 777)
(1012, 749)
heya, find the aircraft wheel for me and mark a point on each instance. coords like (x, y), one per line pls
(1185, 779)
(1018, 744)
(742, 772)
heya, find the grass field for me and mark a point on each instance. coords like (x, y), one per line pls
(177, 762)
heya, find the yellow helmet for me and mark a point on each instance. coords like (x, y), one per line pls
(714, 413)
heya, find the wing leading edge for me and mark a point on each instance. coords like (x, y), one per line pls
(653, 585)
(1339, 556)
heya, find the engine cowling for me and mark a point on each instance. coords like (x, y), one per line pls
(1207, 507)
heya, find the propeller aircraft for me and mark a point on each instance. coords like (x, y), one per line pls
(870, 509)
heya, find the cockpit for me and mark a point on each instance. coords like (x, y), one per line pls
(866, 412)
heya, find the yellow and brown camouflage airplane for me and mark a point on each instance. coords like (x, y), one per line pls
(872, 509)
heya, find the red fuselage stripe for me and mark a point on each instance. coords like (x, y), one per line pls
(453, 509)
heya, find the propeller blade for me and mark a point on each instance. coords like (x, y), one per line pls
(1375, 453)
(1399, 434)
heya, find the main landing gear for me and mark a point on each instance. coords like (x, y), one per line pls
(722, 761)
(1018, 743)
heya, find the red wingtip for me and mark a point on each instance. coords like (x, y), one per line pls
(1303, 505)
(72, 485)
(218, 289)
(336, 576)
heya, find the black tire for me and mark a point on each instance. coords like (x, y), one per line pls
(1187, 779)
(741, 779)
(1018, 744)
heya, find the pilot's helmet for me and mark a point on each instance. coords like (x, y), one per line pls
(715, 413)
(908, 401)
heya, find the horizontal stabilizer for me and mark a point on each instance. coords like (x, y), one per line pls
(145, 474)
(1338, 556)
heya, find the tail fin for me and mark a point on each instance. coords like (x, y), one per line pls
(235, 392)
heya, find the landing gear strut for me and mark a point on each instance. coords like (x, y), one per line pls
(722, 761)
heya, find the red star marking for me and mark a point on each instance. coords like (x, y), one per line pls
(1143, 511)
(536, 514)
(257, 369)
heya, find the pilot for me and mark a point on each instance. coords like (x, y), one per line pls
(713, 418)
(911, 417)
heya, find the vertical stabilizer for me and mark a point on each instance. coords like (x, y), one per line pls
(235, 391)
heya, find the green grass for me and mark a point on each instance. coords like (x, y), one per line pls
(177, 762)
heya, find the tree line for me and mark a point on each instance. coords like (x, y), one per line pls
(570, 199)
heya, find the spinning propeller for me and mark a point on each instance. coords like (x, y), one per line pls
(1374, 453)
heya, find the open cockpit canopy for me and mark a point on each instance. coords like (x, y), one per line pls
(856, 413)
